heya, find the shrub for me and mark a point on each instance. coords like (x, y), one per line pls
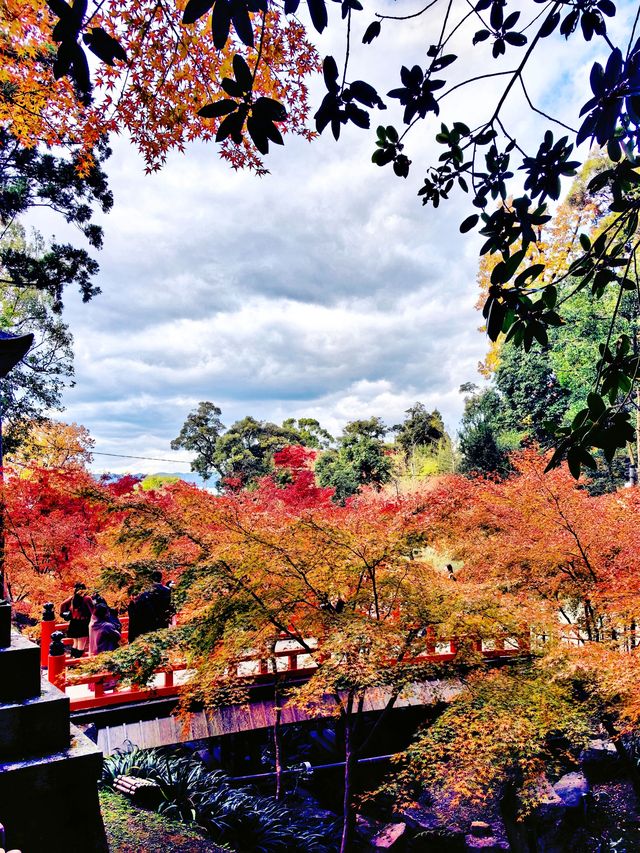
(236, 816)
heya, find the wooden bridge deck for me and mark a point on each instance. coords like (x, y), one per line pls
(171, 730)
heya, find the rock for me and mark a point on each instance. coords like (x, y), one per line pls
(432, 827)
(378, 835)
(572, 788)
(546, 824)
(480, 829)
(550, 805)
(388, 836)
(599, 760)
(440, 825)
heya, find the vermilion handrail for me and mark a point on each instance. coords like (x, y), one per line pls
(106, 690)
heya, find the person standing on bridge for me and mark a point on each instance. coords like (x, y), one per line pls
(77, 609)
(151, 610)
(104, 636)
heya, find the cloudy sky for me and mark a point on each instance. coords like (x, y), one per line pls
(324, 289)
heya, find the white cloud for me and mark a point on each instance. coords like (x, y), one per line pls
(325, 289)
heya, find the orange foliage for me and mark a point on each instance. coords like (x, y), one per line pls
(171, 72)
(50, 533)
(53, 444)
(542, 536)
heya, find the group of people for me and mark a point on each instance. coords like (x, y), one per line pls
(96, 627)
(93, 625)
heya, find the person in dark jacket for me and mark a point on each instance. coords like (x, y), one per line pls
(162, 601)
(104, 636)
(151, 610)
(77, 609)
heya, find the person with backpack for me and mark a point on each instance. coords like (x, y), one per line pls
(77, 610)
(151, 610)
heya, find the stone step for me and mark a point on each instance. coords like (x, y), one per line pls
(51, 803)
(36, 726)
(19, 670)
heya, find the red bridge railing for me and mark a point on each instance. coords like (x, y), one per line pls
(49, 625)
(104, 689)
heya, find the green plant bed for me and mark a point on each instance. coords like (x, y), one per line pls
(130, 830)
(237, 817)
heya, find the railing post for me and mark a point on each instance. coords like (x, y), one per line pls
(430, 640)
(453, 645)
(47, 627)
(524, 639)
(264, 667)
(292, 662)
(57, 663)
(168, 678)
(476, 644)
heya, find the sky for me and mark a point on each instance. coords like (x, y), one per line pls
(324, 289)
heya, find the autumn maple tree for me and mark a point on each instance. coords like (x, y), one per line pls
(284, 567)
(569, 556)
(359, 595)
(159, 68)
(50, 533)
(53, 444)
(54, 521)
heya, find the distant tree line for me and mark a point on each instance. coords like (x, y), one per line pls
(361, 456)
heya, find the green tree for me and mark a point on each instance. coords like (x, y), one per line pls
(483, 445)
(153, 482)
(33, 178)
(35, 386)
(419, 430)
(245, 452)
(310, 431)
(199, 435)
(530, 393)
(361, 459)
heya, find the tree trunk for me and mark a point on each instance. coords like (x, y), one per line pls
(637, 435)
(350, 760)
(277, 743)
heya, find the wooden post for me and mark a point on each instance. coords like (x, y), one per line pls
(430, 640)
(47, 627)
(524, 639)
(57, 664)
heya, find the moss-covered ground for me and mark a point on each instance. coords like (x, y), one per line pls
(131, 830)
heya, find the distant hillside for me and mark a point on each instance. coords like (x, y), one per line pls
(188, 477)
